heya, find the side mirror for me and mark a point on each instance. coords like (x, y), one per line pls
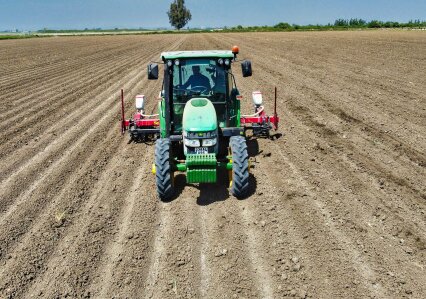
(246, 68)
(152, 71)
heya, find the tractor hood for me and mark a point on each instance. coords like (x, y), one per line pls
(199, 115)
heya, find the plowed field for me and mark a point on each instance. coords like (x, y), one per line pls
(338, 203)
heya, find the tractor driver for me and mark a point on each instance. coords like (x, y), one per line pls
(197, 79)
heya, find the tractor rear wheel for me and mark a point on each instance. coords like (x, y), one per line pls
(163, 169)
(240, 166)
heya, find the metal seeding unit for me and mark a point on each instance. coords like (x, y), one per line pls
(199, 128)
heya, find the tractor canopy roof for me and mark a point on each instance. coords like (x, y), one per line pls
(197, 54)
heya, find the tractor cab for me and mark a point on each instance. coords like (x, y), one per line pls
(198, 75)
(199, 78)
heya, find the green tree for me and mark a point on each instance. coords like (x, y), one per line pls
(283, 26)
(178, 14)
(357, 22)
(341, 22)
(375, 24)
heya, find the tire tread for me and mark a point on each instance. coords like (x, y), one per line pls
(240, 166)
(164, 174)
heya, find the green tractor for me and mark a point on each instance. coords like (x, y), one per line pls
(199, 128)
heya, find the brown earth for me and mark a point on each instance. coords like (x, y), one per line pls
(338, 202)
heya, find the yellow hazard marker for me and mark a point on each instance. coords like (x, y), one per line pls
(154, 170)
(230, 175)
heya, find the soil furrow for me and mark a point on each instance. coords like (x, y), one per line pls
(337, 202)
(63, 99)
(112, 131)
(52, 70)
(94, 225)
(351, 151)
(48, 160)
(27, 260)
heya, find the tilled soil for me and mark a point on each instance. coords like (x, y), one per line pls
(337, 205)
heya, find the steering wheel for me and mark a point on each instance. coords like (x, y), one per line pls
(179, 89)
(200, 89)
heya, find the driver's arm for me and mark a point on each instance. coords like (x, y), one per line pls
(206, 83)
(189, 82)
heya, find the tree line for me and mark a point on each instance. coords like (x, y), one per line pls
(339, 24)
(360, 23)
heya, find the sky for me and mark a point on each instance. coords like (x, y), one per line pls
(80, 14)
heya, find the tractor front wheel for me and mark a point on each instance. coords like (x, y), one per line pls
(240, 167)
(163, 168)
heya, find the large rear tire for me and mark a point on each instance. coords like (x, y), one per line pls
(240, 167)
(163, 168)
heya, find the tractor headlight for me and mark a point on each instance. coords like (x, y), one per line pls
(220, 61)
(177, 62)
(227, 62)
(191, 142)
(169, 63)
(209, 142)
